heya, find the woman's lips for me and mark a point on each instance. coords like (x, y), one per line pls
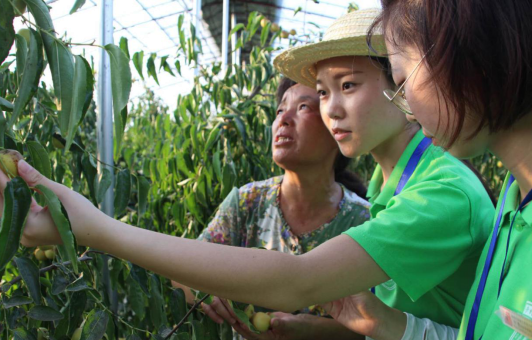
(340, 134)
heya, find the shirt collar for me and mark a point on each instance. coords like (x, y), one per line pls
(513, 198)
(378, 196)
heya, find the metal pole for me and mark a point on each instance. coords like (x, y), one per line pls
(235, 55)
(197, 23)
(225, 34)
(104, 130)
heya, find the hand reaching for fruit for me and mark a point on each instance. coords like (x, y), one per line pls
(272, 326)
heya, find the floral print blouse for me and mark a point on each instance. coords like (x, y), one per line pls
(251, 217)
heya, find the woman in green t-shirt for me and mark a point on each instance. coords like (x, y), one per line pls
(429, 212)
(465, 73)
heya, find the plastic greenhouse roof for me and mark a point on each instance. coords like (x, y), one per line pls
(151, 26)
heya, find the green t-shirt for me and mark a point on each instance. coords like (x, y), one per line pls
(516, 291)
(428, 239)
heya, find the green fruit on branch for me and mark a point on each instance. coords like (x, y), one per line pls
(261, 321)
(264, 21)
(42, 334)
(25, 33)
(9, 162)
(250, 310)
(275, 27)
(20, 6)
(39, 255)
(50, 254)
(284, 34)
(77, 334)
(293, 32)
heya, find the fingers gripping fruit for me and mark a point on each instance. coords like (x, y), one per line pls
(9, 162)
(261, 321)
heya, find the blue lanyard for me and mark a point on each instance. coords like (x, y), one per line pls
(482, 283)
(410, 168)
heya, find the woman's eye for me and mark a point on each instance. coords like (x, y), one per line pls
(303, 106)
(279, 112)
(347, 86)
(321, 93)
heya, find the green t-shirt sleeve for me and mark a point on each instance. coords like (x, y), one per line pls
(422, 236)
(223, 227)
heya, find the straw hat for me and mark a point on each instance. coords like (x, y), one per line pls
(345, 37)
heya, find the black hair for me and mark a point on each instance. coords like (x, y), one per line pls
(342, 175)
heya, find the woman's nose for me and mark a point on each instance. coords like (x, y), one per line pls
(334, 108)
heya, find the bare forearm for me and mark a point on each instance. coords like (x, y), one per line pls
(325, 329)
(225, 271)
(266, 278)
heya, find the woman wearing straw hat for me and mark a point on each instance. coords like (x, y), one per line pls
(420, 249)
(466, 77)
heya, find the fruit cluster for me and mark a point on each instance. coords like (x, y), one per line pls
(44, 253)
(260, 320)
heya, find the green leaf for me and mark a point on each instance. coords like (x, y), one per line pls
(22, 54)
(58, 55)
(121, 88)
(7, 32)
(178, 304)
(59, 283)
(30, 275)
(178, 66)
(17, 301)
(138, 60)
(5, 104)
(213, 137)
(90, 172)
(297, 10)
(89, 89)
(30, 77)
(235, 29)
(17, 201)
(122, 191)
(40, 159)
(77, 5)
(140, 276)
(69, 123)
(165, 66)
(150, 65)
(24, 334)
(45, 313)
(95, 325)
(68, 249)
(103, 185)
(264, 34)
(143, 189)
(124, 46)
(156, 303)
(78, 285)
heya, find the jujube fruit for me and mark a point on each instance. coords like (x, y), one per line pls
(77, 334)
(39, 255)
(20, 6)
(261, 321)
(9, 162)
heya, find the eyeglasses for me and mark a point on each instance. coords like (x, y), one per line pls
(398, 98)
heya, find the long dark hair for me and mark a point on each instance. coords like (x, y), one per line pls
(341, 174)
(479, 55)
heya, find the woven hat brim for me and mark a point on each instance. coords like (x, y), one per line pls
(299, 63)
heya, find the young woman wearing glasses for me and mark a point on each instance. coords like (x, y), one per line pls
(420, 249)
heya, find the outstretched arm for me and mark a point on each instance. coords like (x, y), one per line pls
(337, 268)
